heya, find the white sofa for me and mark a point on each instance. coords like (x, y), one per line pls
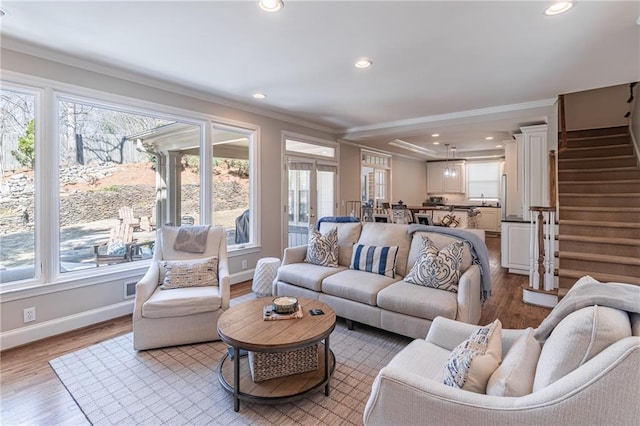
(587, 372)
(380, 301)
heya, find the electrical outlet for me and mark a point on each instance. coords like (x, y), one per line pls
(244, 264)
(29, 314)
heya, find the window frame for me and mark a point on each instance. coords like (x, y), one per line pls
(46, 181)
(39, 95)
(474, 197)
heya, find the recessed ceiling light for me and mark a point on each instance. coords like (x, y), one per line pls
(271, 5)
(498, 146)
(436, 143)
(489, 138)
(435, 135)
(259, 95)
(558, 7)
(363, 63)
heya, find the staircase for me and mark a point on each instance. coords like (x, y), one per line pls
(599, 214)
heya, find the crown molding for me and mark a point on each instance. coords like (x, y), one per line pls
(418, 123)
(24, 47)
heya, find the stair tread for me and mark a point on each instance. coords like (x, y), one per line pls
(599, 223)
(601, 209)
(597, 257)
(602, 277)
(603, 169)
(605, 240)
(596, 182)
(607, 195)
(613, 157)
(588, 148)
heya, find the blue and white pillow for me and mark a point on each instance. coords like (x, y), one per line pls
(117, 249)
(437, 269)
(322, 249)
(378, 260)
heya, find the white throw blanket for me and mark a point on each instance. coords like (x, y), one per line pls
(625, 297)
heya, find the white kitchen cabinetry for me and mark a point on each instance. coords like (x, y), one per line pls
(437, 182)
(515, 241)
(489, 219)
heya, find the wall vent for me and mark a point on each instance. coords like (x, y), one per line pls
(129, 289)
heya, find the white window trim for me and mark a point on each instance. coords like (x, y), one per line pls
(48, 278)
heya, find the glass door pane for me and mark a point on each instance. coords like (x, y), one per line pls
(326, 183)
(300, 208)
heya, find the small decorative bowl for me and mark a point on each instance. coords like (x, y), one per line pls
(285, 305)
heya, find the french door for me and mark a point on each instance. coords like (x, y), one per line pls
(311, 194)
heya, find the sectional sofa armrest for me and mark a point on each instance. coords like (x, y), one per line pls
(294, 255)
(469, 301)
(403, 397)
(145, 288)
(448, 334)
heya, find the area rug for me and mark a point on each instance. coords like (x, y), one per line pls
(113, 384)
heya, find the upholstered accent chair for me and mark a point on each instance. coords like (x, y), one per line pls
(187, 314)
(579, 367)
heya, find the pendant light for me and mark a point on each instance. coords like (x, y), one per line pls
(452, 171)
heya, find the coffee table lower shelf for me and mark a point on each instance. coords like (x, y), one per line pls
(276, 390)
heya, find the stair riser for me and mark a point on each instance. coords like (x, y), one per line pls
(583, 143)
(590, 231)
(597, 163)
(608, 216)
(597, 248)
(599, 188)
(592, 175)
(597, 152)
(597, 202)
(603, 267)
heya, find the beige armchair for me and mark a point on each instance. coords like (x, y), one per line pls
(585, 374)
(182, 315)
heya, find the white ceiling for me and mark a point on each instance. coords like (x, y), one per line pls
(465, 70)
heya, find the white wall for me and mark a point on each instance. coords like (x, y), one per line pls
(61, 307)
(408, 180)
(598, 108)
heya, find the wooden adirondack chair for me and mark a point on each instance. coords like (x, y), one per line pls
(126, 217)
(118, 249)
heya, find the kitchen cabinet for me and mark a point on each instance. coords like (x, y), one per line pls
(515, 240)
(489, 219)
(437, 182)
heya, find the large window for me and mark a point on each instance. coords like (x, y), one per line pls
(231, 183)
(483, 180)
(17, 185)
(107, 176)
(106, 185)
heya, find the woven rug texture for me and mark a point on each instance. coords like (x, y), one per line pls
(113, 384)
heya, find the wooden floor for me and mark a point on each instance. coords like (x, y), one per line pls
(30, 392)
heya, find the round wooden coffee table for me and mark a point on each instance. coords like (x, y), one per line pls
(242, 327)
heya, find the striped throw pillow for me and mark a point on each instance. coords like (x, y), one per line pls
(378, 260)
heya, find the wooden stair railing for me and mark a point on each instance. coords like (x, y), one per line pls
(563, 142)
(542, 254)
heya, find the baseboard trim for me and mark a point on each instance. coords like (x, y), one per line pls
(23, 335)
(242, 276)
(28, 334)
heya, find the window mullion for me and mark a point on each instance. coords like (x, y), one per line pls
(47, 202)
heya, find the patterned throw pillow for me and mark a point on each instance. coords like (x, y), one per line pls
(378, 260)
(322, 249)
(437, 269)
(473, 361)
(189, 273)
